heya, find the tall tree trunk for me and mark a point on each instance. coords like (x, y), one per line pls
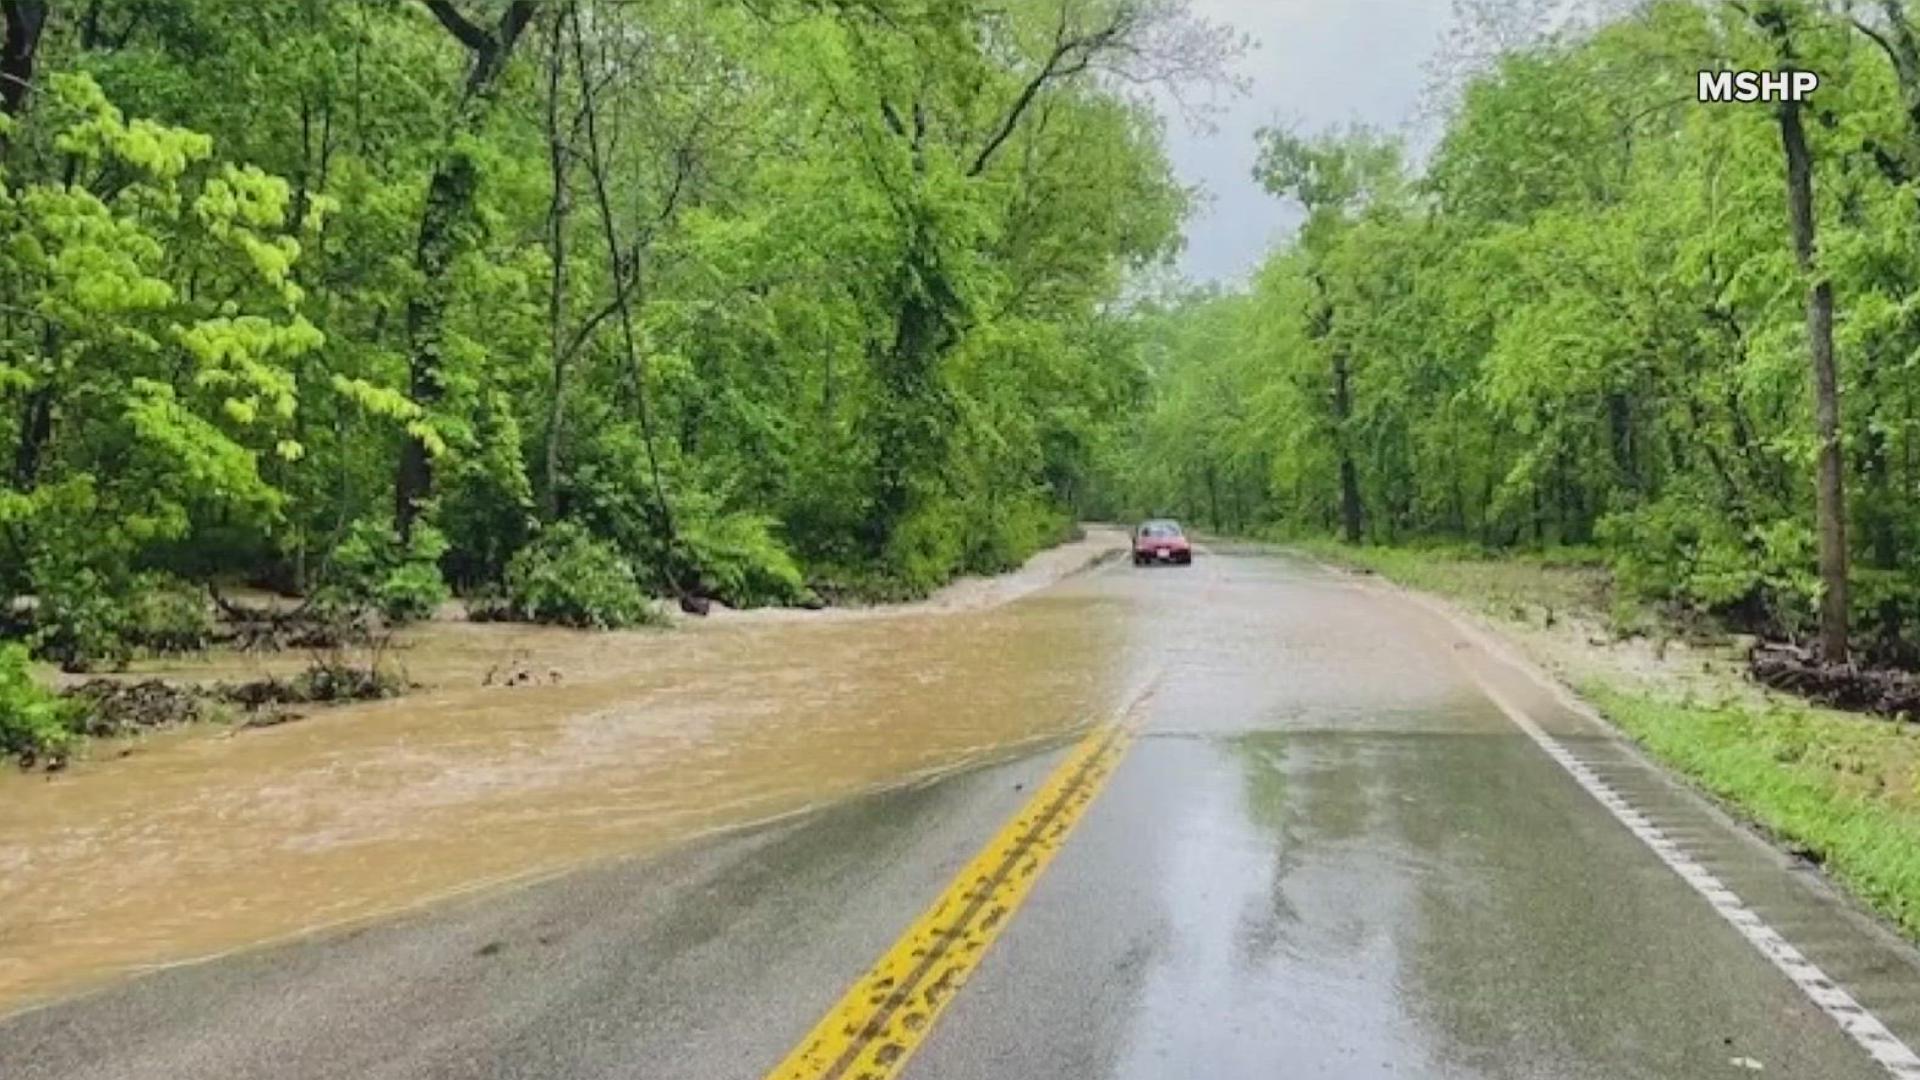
(1626, 465)
(1213, 496)
(623, 289)
(36, 427)
(1830, 503)
(447, 230)
(36, 413)
(1350, 505)
(558, 211)
(24, 20)
(910, 433)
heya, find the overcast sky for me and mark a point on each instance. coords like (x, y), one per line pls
(1315, 64)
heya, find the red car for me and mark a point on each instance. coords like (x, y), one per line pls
(1161, 541)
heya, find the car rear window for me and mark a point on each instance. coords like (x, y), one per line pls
(1160, 528)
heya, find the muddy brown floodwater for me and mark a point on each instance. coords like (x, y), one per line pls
(201, 841)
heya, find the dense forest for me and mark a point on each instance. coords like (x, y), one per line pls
(567, 305)
(1600, 314)
(562, 304)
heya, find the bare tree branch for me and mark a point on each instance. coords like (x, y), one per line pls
(458, 25)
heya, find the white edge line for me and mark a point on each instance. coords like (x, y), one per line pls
(1866, 1029)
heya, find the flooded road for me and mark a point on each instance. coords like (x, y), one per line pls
(1328, 832)
(199, 842)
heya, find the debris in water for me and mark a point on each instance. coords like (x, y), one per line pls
(517, 672)
(118, 707)
(324, 681)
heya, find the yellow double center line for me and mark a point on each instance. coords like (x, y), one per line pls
(876, 1027)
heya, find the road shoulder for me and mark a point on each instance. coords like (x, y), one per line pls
(1832, 795)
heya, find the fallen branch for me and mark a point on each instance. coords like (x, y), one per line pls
(1800, 671)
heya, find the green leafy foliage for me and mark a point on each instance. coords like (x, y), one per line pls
(80, 617)
(35, 723)
(374, 570)
(1583, 322)
(274, 270)
(737, 558)
(167, 615)
(567, 576)
(928, 547)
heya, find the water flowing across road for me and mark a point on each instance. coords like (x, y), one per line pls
(201, 841)
(1331, 832)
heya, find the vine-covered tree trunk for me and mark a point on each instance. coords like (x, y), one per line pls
(1830, 491)
(447, 229)
(910, 436)
(36, 427)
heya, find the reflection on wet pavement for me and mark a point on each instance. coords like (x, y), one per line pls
(199, 842)
(1369, 871)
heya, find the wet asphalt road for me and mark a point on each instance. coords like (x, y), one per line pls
(1328, 855)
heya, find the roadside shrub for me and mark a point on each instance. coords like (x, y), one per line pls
(35, 723)
(928, 548)
(1681, 551)
(1010, 535)
(566, 576)
(86, 619)
(78, 620)
(738, 560)
(490, 603)
(167, 615)
(608, 496)
(1886, 615)
(371, 570)
(940, 539)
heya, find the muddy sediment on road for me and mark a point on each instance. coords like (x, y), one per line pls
(525, 750)
(1097, 545)
(1557, 615)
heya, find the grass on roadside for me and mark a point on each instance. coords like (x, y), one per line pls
(1835, 787)
(1842, 789)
